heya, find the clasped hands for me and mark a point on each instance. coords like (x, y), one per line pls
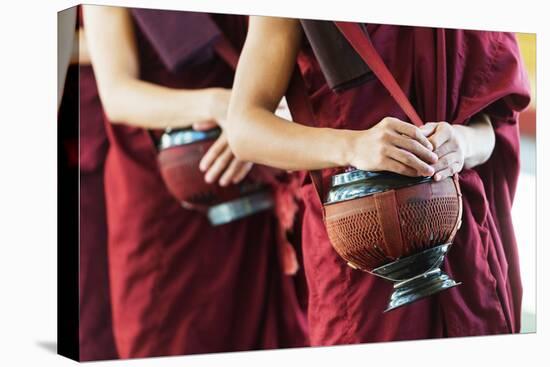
(437, 149)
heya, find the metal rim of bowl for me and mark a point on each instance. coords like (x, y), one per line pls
(357, 176)
(175, 138)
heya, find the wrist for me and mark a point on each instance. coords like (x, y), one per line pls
(217, 101)
(347, 142)
(462, 133)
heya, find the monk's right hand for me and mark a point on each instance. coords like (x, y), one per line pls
(393, 145)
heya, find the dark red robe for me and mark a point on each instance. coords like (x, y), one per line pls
(449, 75)
(86, 145)
(96, 330)
(179, 285)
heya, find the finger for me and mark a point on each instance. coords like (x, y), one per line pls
(398, 167)
(409, 159)
(447, 172)
(205, 125)
(218, 166)
(446, 161)
(213, 152)
(411, 131)
(242, 172)
(449, 146)
(441, 135)
(415, 148)
(229, 173)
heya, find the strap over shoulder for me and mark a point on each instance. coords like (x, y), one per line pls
(361, 42)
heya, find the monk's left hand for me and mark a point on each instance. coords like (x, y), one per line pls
(449, 146)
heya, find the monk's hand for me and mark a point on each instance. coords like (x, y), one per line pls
(393, 145)
(220, 164)
(449, 145)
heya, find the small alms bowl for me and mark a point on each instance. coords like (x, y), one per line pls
(180, 152)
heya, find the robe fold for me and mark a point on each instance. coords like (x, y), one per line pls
(178, 284)
(448, 75)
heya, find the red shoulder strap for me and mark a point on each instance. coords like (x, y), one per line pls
(361, 42)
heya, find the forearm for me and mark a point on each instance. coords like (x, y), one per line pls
(478, 140)
(255, 133)
(138, 103)
(264, 138)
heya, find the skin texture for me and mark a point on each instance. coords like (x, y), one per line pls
(392, 145)
(126, 99)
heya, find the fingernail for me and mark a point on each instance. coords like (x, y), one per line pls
(434, 157)
(207, 179)
(223, 183)
(437, 177)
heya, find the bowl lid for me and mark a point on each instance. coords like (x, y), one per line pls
(357, 183)
(174, 138)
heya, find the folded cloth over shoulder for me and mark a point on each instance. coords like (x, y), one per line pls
(179, 37)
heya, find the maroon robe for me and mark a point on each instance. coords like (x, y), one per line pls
(449, 75)
(178, 284)
(85, 143)
(96, 330)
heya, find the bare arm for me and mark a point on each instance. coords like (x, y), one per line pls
(126, 99)
(258, 88)
(256, 134)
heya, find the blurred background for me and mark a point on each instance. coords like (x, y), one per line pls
(524, 209)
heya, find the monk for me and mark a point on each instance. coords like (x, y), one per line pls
(178, 284)
(469, 87)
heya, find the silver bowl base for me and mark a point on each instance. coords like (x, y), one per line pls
(239, 208)
(416, 276)
(412, 290)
